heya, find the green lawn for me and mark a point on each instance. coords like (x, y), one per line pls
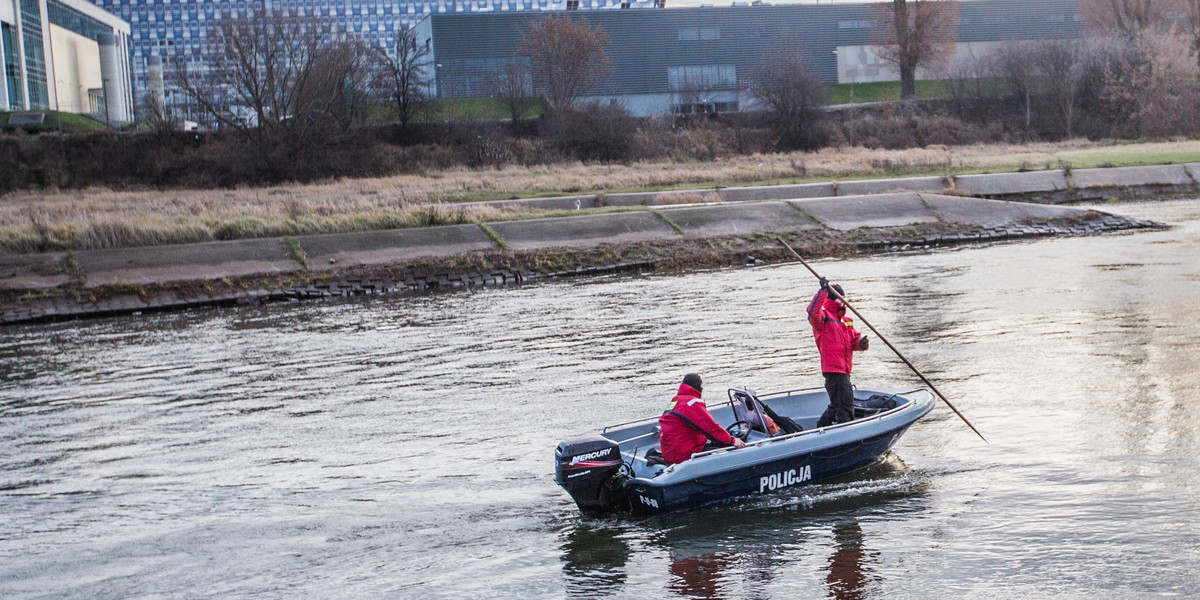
(877, 91)
(479, 108)
(448, 110)
(58, 121)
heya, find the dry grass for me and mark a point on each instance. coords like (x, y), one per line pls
(41, 221)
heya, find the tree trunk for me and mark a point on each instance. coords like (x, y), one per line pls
(907, 62)
(1028, 112)
(908, 82)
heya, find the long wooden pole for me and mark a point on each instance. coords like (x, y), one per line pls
(885, 341)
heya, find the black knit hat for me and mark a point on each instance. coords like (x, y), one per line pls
(693, 380)
(840, 293)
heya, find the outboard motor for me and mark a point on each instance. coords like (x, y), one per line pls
(589, 468)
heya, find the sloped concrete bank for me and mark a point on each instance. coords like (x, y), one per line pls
(1057, 186)
(136, 280)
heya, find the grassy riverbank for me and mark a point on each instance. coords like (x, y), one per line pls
(47, 220)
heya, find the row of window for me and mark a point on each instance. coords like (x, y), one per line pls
(73, 20)
(689, 108)
(35, 58)
(12, 69)
(172, 28)
(694, 78)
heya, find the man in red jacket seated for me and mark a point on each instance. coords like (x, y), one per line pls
(837, 340)
(681, 439)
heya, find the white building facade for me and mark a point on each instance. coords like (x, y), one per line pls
(66, 55)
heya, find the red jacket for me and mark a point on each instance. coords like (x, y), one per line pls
(679, 441)
(836, 338)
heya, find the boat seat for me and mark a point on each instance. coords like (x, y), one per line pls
(654, 457)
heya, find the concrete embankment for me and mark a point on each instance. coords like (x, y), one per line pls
(1056, 186)
(718, 227)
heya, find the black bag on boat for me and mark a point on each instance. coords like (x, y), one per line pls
(877, 403)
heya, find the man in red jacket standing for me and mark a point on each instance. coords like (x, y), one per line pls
(836, 341)
(687, 426)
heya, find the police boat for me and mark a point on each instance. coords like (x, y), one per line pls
(622, 470)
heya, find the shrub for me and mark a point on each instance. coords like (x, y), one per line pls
(599, 132)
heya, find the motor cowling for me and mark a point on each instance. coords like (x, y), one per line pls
(589, 468)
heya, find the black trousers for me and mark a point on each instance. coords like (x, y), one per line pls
(841, 400)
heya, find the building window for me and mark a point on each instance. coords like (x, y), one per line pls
(35, 58)
(572, 4)
(695, 78)
(692, 34)
(12, 68)
(691, 108)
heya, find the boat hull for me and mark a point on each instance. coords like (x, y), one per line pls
(770, 462)
(648, 497)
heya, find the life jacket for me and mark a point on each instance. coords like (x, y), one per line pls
(679, 439)
(834, 333)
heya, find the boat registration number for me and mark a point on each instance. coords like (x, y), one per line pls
(784, 479)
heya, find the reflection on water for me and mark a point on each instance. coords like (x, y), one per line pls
(401, 447)
(738, 548)
(594, 562)
(847, 576)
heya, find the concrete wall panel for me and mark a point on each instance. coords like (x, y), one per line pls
(777, 192)
(556, 203)
(1000, 184)
(639, 198)
(993, 213)
(184, 262)
(1131, 176)
(884, 210)
(737, 219)
(640, 226)
(883, 186)
(399, 245)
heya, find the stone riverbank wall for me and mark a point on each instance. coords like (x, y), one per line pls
(883, 215)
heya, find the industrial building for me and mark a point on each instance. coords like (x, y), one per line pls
(66, 55)
(182, 30)
(696, 58)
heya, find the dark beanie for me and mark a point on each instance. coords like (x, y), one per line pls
(840, 293)
(693, 380)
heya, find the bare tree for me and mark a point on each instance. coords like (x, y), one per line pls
(1015, 67)
(514, 85)
(1191, 28)
(568, 59)
(280, 81)
(968, 83)
(913, 34)
(1060, 63)
(404, 75)
(156, 114)
(788, 85)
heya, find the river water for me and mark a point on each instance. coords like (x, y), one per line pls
(403, 447)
